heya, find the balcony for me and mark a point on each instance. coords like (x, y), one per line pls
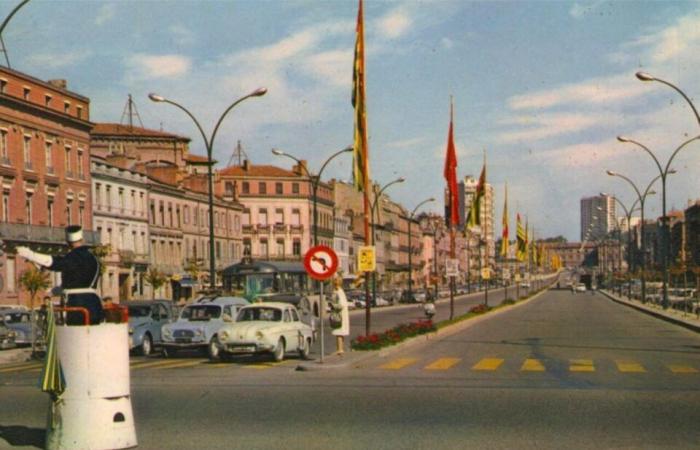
(248, 229)
(263, 228)
(296, 229)
(18, 232)
(280, 228)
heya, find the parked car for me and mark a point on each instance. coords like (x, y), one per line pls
(7, 336)
(146, 319)
(18, 320)
(264, 328)
(198, 324)
(580, 287)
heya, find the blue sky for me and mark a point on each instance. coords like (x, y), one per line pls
(543, 87)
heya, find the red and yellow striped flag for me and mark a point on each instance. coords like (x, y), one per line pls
(360, 169)
(505, 233)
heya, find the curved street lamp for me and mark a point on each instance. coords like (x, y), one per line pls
(643, 76)
(628, 215)
(209, 145)
(410, 248)
(664, 171)
(641, 198)
(314, 179)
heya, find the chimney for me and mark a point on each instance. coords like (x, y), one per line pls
(246, 165)
(300, 169)
(59, 83)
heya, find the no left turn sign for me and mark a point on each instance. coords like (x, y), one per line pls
(321, 262)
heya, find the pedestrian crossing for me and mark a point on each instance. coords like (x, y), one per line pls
(159, 364)
(493, 364)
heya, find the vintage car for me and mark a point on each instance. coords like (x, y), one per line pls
(7, 336)
(19, 321)
(265, 328)
(146, 319)
(198, 323)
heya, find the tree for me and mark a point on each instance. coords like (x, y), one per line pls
(156, 279)
(33, 281)
(194, 268)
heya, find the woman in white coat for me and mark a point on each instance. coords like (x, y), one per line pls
(340, 303)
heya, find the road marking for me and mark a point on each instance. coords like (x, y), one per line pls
(162, 362)
(675, 368)
(179, 365)
(22, 368)
(442, 364)
(488, 364)
(398, 363)
(629, 367)
(532, 365)
(581, 365)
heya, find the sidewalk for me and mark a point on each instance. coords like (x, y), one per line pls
(15, 355)
(687, 320)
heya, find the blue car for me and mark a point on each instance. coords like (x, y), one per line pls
(146, 319)
(19, 321)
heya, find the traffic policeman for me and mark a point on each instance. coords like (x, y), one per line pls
(80, 271)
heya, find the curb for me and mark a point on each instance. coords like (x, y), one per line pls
(658, 314)
(449, 330)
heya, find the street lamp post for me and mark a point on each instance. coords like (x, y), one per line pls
(641, 197)
(643, 76)
(315, 180)
(209, 144)
(628, 215)
(373, 205)
(410, 248)
(664, 171)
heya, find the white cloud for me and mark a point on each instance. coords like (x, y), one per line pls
(447, 43)
(395, 24)
(181, 34)
(56, 61)
(142, 66)
(332, 67)
(547, 125)
(105, 14)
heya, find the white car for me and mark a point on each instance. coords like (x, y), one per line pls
(580, 287)
(265, 328)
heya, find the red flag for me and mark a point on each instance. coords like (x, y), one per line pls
(450, 174)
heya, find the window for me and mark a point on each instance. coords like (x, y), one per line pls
(108, 197)
(25, 93)
(262, 187)
(49, 211)
(81, 173)
(186, 214)
(133, 201)
(4, 155)
(295, 188)
(66, 107)
(69, 172)
(278, 189)
(48, 149)
(280, 247)
(153, 212)
(10, 274)
(177, 215)
(296, 217)
(296, 247)
(229, 188)
(28, 207)
(81, 214)
(245, 218)
(247, 246)
(69, 211)
(3, 86)
(279, 216)
(262, 216)
(47, 100)
(27, 152)
(170, 214)
(218, 249)
(246, 187)
(121, 199)
(79, 109)
(263, 248)
(5, 206)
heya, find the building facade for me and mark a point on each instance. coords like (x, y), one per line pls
(598, 217)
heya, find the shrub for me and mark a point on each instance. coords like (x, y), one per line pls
(479, 309)
(392, 336)
(508, 301)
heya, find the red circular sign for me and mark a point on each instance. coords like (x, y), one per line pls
(320, 262)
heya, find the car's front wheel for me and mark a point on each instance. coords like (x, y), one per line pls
(213, 349)
(278, 353)
(305, 349)
(146, 345)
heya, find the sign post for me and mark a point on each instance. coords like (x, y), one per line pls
(321, 263)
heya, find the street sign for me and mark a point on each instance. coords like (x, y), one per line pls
(452, 267)
(366, 259)
(320, 262)
(486, 273)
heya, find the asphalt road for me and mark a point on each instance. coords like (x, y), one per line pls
(562, 371)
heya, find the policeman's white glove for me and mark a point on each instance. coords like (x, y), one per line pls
(38, 258)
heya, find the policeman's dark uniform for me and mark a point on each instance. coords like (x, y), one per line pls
(80, 269)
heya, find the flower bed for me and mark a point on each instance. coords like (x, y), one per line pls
(393, 336)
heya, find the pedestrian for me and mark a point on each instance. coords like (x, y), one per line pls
(340, 304)
(80, 271)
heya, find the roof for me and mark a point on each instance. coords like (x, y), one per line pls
(117, 129)
(197, 159)
(257, 171)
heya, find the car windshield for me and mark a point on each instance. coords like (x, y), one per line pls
(16, 317)
(201, 312)
(139, 311)
(261, 313)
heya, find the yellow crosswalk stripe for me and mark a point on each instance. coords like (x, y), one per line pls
(675, 368)
(581, 365)
(399, 363)
(178, 365)
(629, 367)
(160, 362)
(488, 364)
(442, 364)
(532, 365)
